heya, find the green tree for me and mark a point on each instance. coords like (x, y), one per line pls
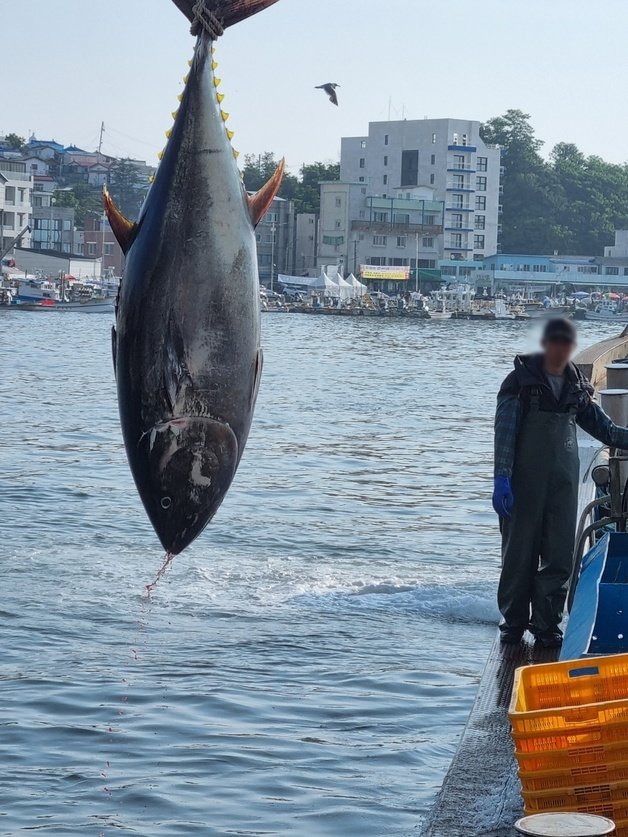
(303, 190)
(528, 219)
(15, 141)
(126, 187)
(83, 198)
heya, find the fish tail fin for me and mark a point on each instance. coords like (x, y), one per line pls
(225, 12)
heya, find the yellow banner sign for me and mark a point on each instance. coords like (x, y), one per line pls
(391, 274)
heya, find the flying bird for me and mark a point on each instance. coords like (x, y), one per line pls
(330, 89)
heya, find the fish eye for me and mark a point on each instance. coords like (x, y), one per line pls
(166, 502)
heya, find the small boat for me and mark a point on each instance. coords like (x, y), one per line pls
(88, 306)
(607, 311)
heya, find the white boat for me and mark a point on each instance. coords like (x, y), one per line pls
(88, 306)
(608, 311)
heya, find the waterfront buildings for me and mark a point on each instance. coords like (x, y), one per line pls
(412, 193)
(16, 185)
(275, 241)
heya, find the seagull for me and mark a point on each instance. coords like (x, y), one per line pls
(330, 89)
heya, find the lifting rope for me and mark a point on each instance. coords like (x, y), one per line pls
(206, 20)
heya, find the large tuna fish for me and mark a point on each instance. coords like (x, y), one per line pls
(187, 339)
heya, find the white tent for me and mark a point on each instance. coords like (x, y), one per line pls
(324, 285)
(358, 288)
(346, 290)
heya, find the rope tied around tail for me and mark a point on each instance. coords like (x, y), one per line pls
(206, 20)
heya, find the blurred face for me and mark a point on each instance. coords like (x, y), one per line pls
(558, 351)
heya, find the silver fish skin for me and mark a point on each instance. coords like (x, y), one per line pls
(186, 345)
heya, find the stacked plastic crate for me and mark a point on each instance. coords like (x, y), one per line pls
(570, 727)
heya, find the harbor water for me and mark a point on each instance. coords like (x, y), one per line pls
(307, 667)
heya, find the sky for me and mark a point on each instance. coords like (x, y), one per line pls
(72, 64)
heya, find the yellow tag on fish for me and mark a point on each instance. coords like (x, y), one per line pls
(217, 82)
(224, 115)
(220, 97)
(230, 134)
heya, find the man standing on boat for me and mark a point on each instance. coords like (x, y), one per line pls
(536, 481)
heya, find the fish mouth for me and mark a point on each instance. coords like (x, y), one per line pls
(185, 467)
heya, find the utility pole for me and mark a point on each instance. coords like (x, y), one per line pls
(418, 287)
(273, 231)
(102, 131)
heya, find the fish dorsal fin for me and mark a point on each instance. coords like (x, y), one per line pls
(123, 229)
(260, 202)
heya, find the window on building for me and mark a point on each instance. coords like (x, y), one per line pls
(455, 139)
(9, 195)
(433, 159)
(339, 224)
(386, 139)
(264, 259)
(362, 181)
(480, 222)
(456, 240)
(108, 250)
(464, 139)
(362, 162)
(480, 184)
(338, 202)
(385, 161)
(363, 190)
(362, 215)
(478, 257)
(401, 241)
(38, 201)
(458, 202)
(380, 217)
(626, 271)
(480, 203)
(612, 271)
(432, 179)
(478, 242)
(363, 144)
(433, 139)
(410, 168)
(402, 218)
(380, 240)
(334, 240)
(22, 193)
(429, 220)
(67, 226)
(482, 164)
(91, 248)
(385, 179)
(428, 243)
(272, 218)
(458, 161)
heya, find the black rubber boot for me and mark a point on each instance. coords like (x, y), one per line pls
(511, 636)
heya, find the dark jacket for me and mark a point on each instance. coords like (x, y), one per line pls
(528, 381)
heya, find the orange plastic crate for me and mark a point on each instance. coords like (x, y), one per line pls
(542, 761)
(572, 739)
(615, 811)
(575, 777)
(573, 799)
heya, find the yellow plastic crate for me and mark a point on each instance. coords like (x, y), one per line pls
(575, 777)
(571, 683)
(543, 761)
(616, 811)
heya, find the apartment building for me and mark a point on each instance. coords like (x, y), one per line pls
(16, 185)
(434, 180)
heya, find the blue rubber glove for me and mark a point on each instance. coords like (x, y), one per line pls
(503, 499)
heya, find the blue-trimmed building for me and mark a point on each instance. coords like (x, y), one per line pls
(412, 193)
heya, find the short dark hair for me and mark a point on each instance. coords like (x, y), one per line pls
(559, 328)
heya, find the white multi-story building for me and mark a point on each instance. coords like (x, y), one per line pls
(429, 188)
(16, 186)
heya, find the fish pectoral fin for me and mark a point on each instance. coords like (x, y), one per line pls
(123, 229)
(261, 201)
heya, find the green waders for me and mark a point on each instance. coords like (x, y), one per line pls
(538, 540)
